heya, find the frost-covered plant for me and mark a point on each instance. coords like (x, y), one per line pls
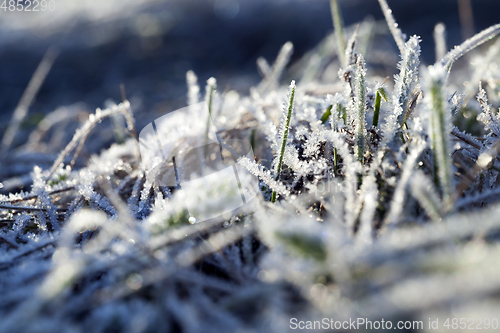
(440, 119)
(283, 134)
(385, 209)
(360, 105)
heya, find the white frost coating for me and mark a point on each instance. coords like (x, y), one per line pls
(487, 117)
(424, 191)
(265, 175)
(470, 44)
(351, 168)
(369, 200)
(399, 37)
(406, 84)
(40, 191)
(440, 40)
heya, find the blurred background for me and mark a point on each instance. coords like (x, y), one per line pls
(148, 45)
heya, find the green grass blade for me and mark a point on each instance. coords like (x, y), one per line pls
(284, 129)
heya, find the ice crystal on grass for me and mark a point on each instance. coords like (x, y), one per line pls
(387, 200)
(193, 88)
(400, 191)
(39, 190)
(406, 82)
(264, 175)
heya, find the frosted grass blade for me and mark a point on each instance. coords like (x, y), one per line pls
(399, 37)
(470, 44)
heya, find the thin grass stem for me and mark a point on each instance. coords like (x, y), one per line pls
(284, 130)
